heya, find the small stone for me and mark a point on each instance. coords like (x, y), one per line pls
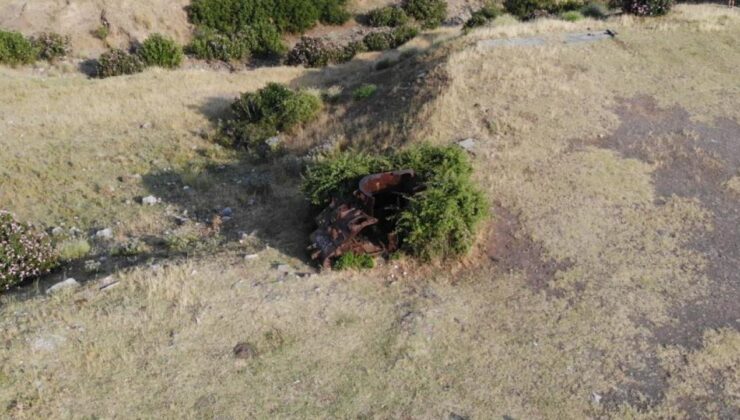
(244, 350)
(273, 142)
(106, 233)
(251, 257)
(70, 283)
(227, 212)
(284, 268)
(596, 397)
(468, 144)
(149, 200)
(57, 231)
(146, 125)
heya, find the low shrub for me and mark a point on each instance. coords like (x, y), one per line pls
(571, 16)
(15, 49)
(333, 12)
(379, 41)
(526, 9)
(101, 32)
(211, 45)
(403, 34)
(352, 261)
(73, 249)
(312, 52)
(295, 16)
(263, 114)
(480, 17)
(158, 50)
(594, 11)
(647, 7)
(118, 62)
(439, 222)
(387, 16)
(51, 46)
(25, 252)
(365, 91)
(430, 13)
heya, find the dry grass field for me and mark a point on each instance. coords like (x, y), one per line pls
(605, 285)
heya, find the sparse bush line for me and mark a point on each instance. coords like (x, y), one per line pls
(15, 49)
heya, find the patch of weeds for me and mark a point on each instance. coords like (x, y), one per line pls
(73, 249)
(158, 50)
(387, 16)
(130, 248)
(571, 16)
(352, 261)
(379, 41)
(25, 252)
(92, 266)
(594, 11)
(313, 52)
(647, 7)
(101, 32)
(51, 46)
(15, 49)
(441, 221)
(263, 114)
(211, 45)
(430, 13)
(365, 91)
(482, 16)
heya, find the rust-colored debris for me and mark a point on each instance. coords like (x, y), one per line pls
(360, 224)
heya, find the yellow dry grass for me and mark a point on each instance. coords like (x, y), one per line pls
(403, 340)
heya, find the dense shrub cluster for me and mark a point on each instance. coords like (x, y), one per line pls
(256, 26)
(260, 115)
(594, 11)
(387, 16)
(118, 62)
(647, 7)
(439, 222)
(24, 252)
(364, 91)
(430, 13)
(480, 17)
(525, 9)
(379, 41)
(158, 50)
(51, 46)
(15, 49)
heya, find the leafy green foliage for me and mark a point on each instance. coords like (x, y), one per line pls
(25, 252)
(262, 114)
(51, 46)
(647, 7)
(365, 91)
(352, 261)
(430, 13)
(387, 16)
(439, 222)
(73, 249)
(15, 49)
(312, 52)
(333, 12)
(118, 62)
(158, 50)
(525, 9)
(379, 41)
(594, 11)
(101, 32)
(481, 17)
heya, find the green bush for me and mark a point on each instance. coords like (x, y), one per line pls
(24, 252)
(158, 50)
(352, 261)
(118, 62)
(295, 15)
(430, 13)
(211, 45)
(101, 32)
(480, 17)
(647, 7)
(272, 109)
(15, 49)
(365, 91)
(439, 222)
(571, 16)
(379, 41)
(525, 9)
(332, 12)
(403, 34)
(73, 249)
(387, 16)
(51, 46)
(313, 52)
(594, 11)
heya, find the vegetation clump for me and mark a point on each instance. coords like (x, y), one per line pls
(379, 41)
(51, 46)
(594, 11)
(352, 261)
(118, 62)
(527, 9)
(211, 45)
(24, 252)
(365, 91)
(480, 17)
(15, 49)
(258, 116)
(571, 16)
(647, 7)
(158, 50)
(313, 52)
(387, 16)
(439, 222)
(430, 13)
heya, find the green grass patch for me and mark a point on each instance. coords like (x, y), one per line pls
(365, 91)
(352, 261)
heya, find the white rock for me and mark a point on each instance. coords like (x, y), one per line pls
(46, 343)
(251, 257)
(106, 233)
(70, 283)
(149, 200)
(468, 144)
(596, 397)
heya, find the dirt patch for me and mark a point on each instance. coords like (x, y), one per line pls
(510, 249)
(693, 160)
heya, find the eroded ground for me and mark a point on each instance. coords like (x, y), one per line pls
(606, 284)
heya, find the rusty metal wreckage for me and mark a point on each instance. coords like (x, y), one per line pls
(363, 223)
